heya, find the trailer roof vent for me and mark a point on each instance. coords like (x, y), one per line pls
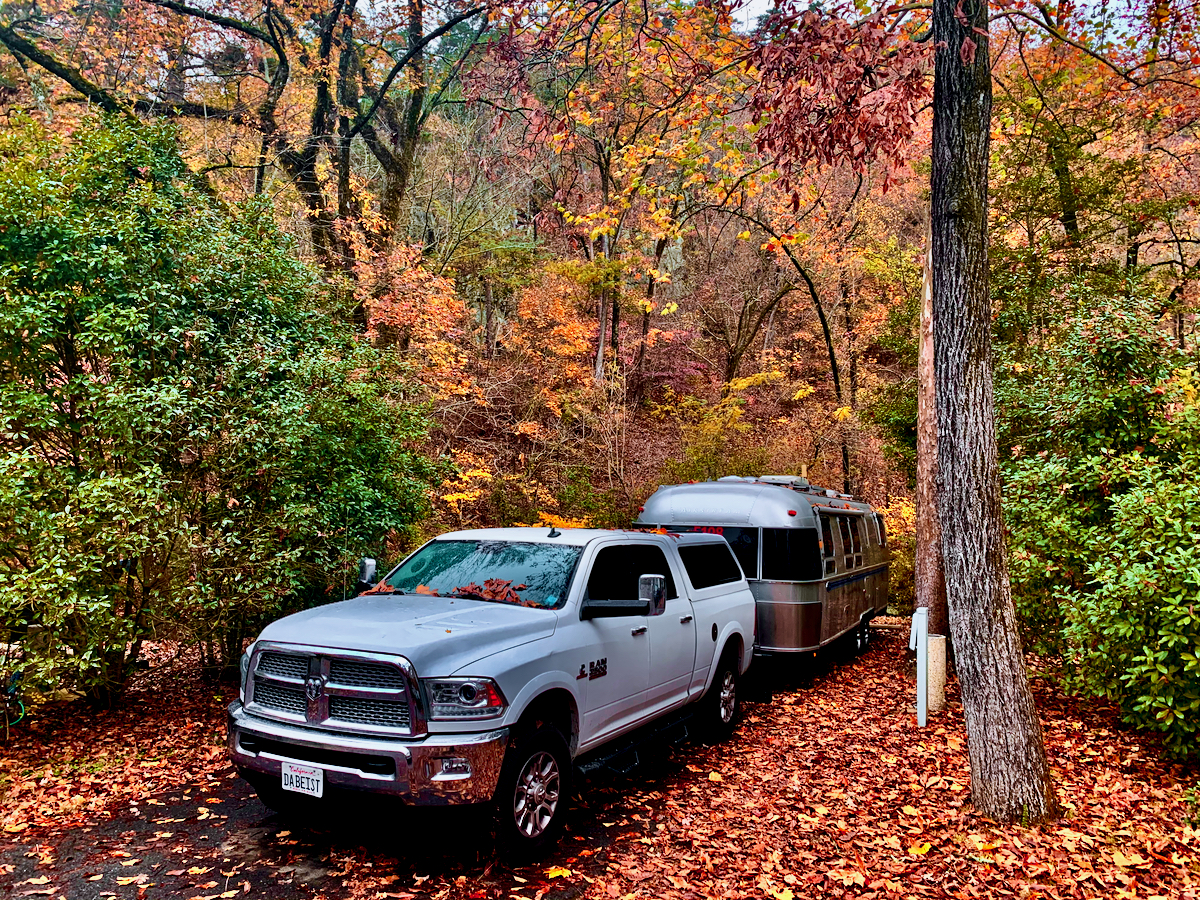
(795, 482)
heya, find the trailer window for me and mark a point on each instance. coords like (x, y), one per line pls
(856, 539)
(827, 541)
(882, 530)
(709, 564)
(790, 554)
(847, 542)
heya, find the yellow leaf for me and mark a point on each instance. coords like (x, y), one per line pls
(715, 776)
(785, 894)
(920, 849)
(744, 236)
(842, 413)
(909, 811)
(41, 879)
(557, 872)
(198, 870)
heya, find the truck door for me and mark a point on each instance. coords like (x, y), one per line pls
(618, 667)
(672, 638)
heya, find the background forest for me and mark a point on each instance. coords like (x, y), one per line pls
(283, 284)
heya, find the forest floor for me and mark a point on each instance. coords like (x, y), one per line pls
(829, 790)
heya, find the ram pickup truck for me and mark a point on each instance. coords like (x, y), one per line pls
(487, 661)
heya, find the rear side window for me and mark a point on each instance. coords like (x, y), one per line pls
(882, 530)
(791, 554)
(743, 541)
(709, 564)
(616, 571)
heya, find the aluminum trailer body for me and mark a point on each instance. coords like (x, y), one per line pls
(816, 560)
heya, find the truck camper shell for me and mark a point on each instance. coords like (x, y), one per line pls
(816, 560)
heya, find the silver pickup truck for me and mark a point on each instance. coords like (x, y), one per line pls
(480, 667)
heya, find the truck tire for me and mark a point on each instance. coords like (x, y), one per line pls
(720, 706)
(533, 791)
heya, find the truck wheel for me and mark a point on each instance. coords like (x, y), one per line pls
(721, 708)
(533, 790)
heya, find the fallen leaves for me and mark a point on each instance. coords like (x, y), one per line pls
(827, 790)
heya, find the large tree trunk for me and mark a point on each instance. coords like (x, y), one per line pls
(928, 577)
(1010, 778)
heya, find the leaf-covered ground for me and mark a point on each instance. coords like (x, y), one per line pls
(829, 790)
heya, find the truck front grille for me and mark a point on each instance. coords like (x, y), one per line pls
(283, 665)
(352, 673)
(334, 690)
(273, 696)
(385, 713)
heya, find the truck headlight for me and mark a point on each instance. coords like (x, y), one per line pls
(464, 698)
(245, 665)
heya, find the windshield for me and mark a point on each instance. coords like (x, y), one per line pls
(498, 571)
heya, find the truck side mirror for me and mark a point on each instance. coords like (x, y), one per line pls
(366, 574)
(652, 589)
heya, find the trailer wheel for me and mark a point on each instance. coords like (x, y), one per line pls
(533, 791)
(721, 704)
(862, 636)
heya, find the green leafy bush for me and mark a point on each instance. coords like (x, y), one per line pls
(188, 445)
(1103, 510)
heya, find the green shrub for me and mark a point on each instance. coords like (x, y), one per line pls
(1103, 509)
(188, 445)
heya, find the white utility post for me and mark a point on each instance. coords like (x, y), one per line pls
(918, 639)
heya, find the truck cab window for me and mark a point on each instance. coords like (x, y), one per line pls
(709, 564)
(617, 568)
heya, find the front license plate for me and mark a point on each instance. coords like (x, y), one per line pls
(303, 779)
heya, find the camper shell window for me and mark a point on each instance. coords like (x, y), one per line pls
(709, 565)
(743, 542)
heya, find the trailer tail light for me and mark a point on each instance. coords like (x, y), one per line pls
(791, 512)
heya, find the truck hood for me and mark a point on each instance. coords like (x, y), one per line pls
(438, 635)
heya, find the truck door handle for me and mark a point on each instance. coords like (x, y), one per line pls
(684, 620)
(641, 629)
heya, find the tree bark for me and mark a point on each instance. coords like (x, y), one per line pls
(1010, 777)
(489, 328)
(928, 577)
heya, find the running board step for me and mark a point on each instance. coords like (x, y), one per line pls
(623, 756)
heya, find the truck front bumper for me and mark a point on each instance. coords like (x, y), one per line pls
(436, 770)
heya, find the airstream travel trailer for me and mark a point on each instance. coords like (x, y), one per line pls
(816, 560)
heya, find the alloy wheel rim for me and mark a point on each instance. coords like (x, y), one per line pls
(728, 697)
(536, 797)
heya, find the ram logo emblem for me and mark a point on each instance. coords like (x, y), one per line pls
(598, 668)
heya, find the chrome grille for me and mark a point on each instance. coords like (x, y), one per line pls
(283, 665)
(337, 690)
(380, 713)
(352, 673)
(284, 699)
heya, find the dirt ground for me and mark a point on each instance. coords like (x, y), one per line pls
(828, 789)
